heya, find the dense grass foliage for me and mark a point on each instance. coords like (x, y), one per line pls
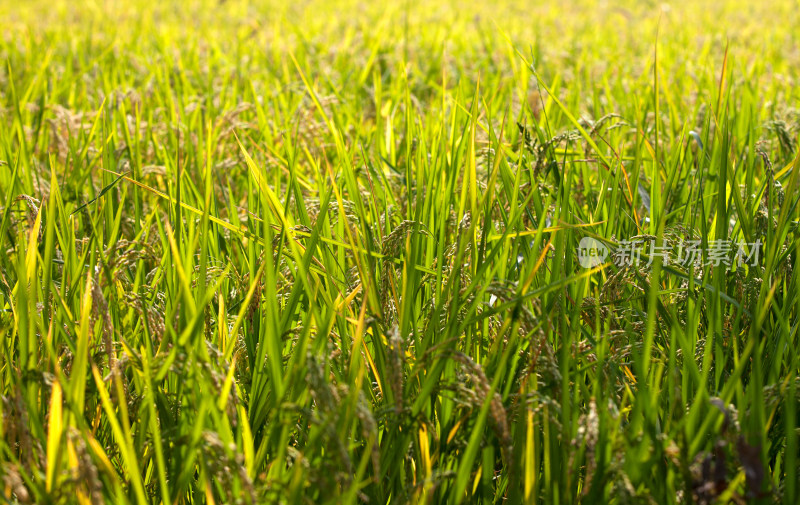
(327, 252)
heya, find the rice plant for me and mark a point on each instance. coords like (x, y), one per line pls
(336, 252)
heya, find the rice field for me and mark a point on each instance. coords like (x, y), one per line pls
(424, 252)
